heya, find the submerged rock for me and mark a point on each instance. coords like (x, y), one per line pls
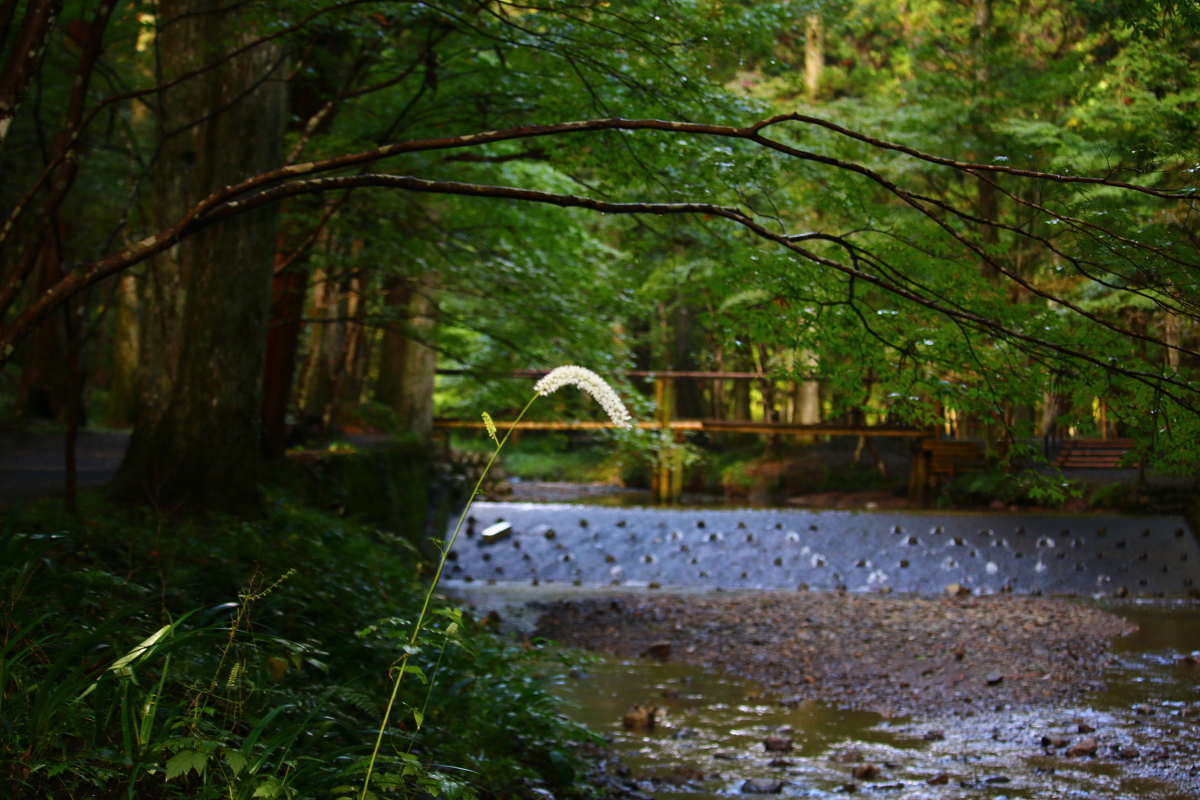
(778, 744)
(866, 772)
(641, 718)
(762, 786)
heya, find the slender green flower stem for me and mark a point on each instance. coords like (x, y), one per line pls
(402, 664)
(429, 689)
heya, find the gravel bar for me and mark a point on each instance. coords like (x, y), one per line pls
(895, 655)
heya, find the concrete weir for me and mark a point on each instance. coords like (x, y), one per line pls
(920, 553)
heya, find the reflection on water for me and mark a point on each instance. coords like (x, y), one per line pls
(710, 741)
(1149, 665)
(714, 725)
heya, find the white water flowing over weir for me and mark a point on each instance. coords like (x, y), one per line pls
(921, 552)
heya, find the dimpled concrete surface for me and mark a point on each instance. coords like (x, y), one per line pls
(768, 548)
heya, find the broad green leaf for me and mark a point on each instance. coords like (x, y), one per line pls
(186, 761)
(236, 761)
(268, 789)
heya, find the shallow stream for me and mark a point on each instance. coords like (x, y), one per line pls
(709, 740)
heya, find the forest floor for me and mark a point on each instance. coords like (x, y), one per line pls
(891, 655)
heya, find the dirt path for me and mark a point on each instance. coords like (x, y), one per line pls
(32, 464)
(892, 655)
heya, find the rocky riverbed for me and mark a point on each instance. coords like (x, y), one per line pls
(892, 655)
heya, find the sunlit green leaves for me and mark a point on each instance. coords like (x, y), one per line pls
(186, 761)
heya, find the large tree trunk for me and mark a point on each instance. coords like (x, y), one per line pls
(200, 450)
(814, 55)
(1173, 331)
(178, 183)
(325, 348)
(347, 389)
(122, 393)
(45, 391)
(394, 344)
(408, 360)
(807, 397)
(741, 394)
(689, 397)
(283, 336)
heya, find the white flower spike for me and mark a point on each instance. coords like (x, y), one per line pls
(589, 382)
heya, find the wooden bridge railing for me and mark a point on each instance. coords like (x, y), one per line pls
(667, 482)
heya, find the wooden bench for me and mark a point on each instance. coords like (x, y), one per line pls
(1092, 453)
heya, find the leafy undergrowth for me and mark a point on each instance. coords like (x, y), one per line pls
(145, 656)
(559, 457)
(981, 488)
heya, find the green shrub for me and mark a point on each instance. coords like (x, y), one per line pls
(1027, 487)
(1119, 497)
(146, 656)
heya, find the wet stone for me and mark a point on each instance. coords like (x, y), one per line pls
(866, 772)
(659, 650)
(762, 786)
(778, 744)
(641, 718)
(683, 773)
(1087, 747)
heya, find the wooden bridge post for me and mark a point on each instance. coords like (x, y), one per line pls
(918, 472)
(667, 483)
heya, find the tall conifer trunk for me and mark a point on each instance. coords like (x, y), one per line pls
(814, 55)
(689, 398)
(122, 394)
(408, 361)
(200, 448)
(45, 391)
(283, 337)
